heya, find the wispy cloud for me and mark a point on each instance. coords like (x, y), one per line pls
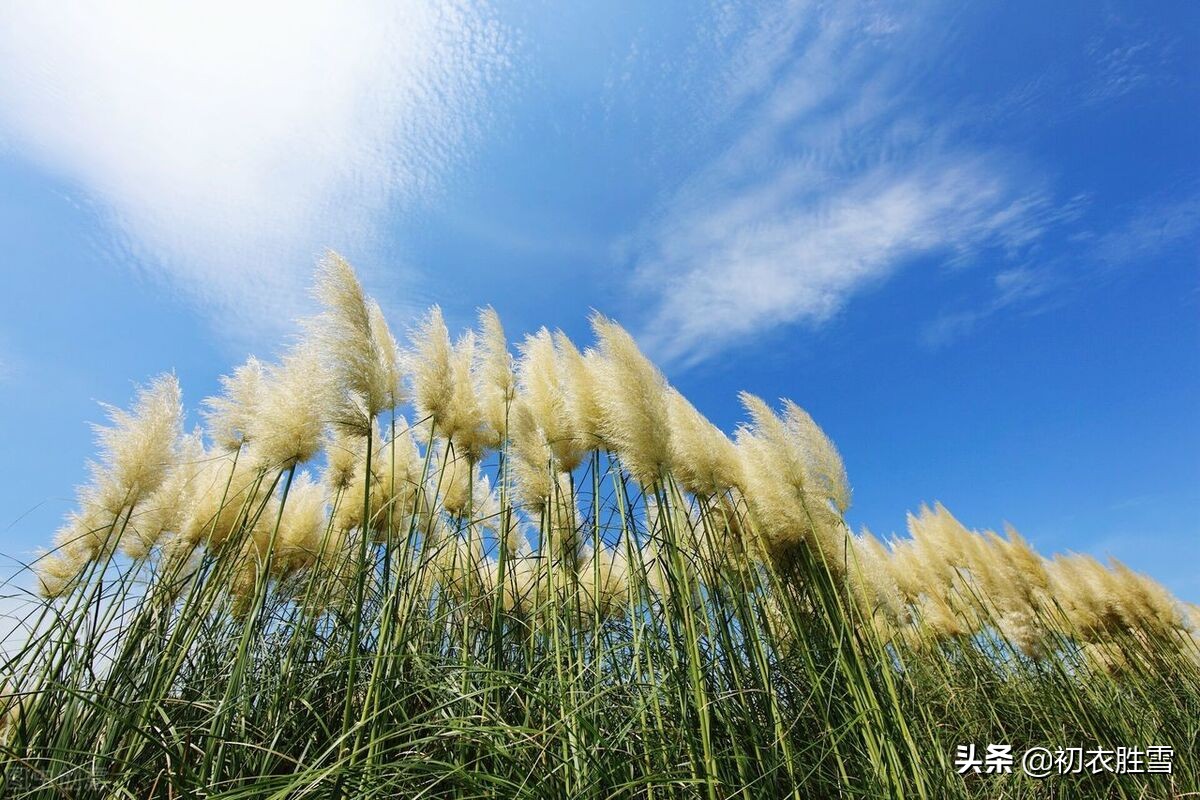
(1124, 57)
(1145, 234)
(229, 142)
(1151, 229)
(760, 259)
(831, 184)
(1014, 287)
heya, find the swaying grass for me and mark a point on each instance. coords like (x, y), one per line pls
(559, 581)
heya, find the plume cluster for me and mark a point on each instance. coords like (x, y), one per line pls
(491, 497)
(945, 582)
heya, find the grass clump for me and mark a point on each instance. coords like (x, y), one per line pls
(557, 580)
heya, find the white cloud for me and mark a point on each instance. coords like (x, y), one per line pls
(1143, 237)
(832, 182)
(1011, 287)
(230, 142)
(1124, 56)
(759, 259)
(1156, 226)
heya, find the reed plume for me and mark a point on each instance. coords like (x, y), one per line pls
(495, 372)
(603, 581)
(138, 448)
(57, 570)
(531, 459)
(351, 340)
(541, 382)
(631, 396)
(793, 482)
(578, 382)
(228, 414)
(560, 568)
(294, 406)
(163, 511)
(704, 459)
(303, 527)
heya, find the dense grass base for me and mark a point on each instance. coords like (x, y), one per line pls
(560, 582)
(454, 697)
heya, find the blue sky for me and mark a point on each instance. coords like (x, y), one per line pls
(964, 238)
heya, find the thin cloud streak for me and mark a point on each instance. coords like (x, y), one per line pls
(757, 261)
(1147, 234)
(832, 186)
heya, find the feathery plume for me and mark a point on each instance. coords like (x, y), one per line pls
(826, 474)
(872, 582)
(789, 483)
(397, 494)
(497, 382)
(352, 460)
(343, 456)
(456, 562)
(470, 431)
(631, 396)
(302, 527)
(524, 582)
(163, 511)
(1106, 657)
(603, 581)
(491, 515)
(489, 578)
(228, 414)
(433, 370)
(937, 560)
(57, 571)
(390, 377)
(453, 479)
(95, 527)
(1009, 584)
(12, 710)
(940, 538)
(228, 490)
(908, 571)
(1076, 583)
(1144, 604)
(353, 343)
(578, 381)
(289, 419)
(539, 378)
(654, 562)
(530, 459)
(703, 458)
(138, 449)
(445, 386)
(929, 593)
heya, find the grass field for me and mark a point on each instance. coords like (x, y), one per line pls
(552, 577)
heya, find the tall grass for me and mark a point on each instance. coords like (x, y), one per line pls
(558, 580)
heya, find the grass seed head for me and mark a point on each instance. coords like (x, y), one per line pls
(494, 371)
(631, 395)
(293, 409)
(228, 414)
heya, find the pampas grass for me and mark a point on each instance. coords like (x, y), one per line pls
(558, 580)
